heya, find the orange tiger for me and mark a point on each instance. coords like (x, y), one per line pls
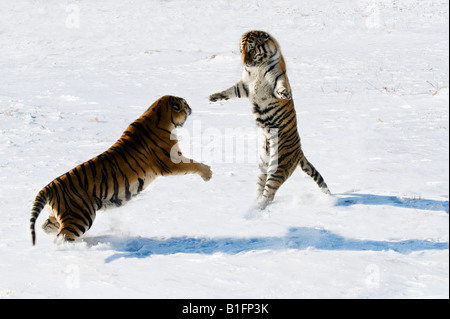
(265, 83)
(146, 150)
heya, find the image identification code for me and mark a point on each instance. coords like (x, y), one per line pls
(235, 308)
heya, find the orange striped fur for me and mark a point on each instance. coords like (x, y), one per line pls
(146, 150)
(265, 83)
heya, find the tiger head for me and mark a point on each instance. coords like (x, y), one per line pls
(257, 47)
(173, 109)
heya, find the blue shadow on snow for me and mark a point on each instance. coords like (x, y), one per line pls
(369, 199)
(299, 238)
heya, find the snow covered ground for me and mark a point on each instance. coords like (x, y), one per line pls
(370, 83)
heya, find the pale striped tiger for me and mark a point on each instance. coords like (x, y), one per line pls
(147, 149)
(265, 83)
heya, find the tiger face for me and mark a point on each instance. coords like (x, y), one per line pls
(256, 47)
(178, 109)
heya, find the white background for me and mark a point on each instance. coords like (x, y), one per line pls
(370, 83)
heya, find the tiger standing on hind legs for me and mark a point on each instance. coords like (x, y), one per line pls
(265, 83)
(147, 149)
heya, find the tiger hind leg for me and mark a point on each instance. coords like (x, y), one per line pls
(51, 225)
(276, 176)
(263, 168)
(274, 169)
(70, 232)
(74, 225)
(309, 169)
(273, 183)
(67, 234)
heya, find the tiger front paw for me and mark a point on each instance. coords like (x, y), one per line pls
(284, 94)
(218, 96)
(206, 172)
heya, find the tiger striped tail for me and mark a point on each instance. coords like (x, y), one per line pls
(41, 200)
(309, 169)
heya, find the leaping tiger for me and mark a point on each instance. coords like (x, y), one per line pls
(146, 150)
(265, 83)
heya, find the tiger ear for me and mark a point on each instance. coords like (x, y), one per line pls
(264, 37)
(176, 108)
